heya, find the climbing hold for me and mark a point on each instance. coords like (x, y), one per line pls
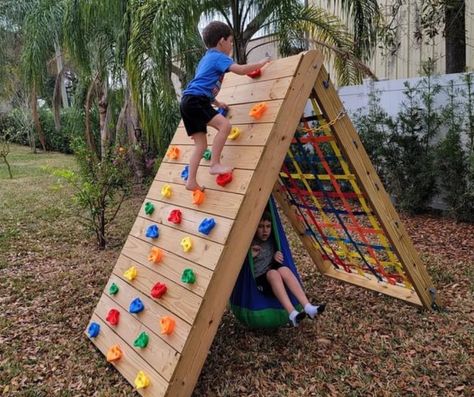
(152, 231)
(113, 317)
(167, 325)
(114, 353)
(255, 73)
(206, 225)
(224, 179)
(93, 330)
(234, 133)
(155, 255)
(136, 306)
(392, 280)
(113, 289)
(223, 111)
(198, 197)
(185, 173)
(207, 154)
(187, 244)
(158, 290)
(188, 276)
(166, 191)
(175, 217)
(257, 111)
(149, 208)
(142, 340)
(173, 153)
(131, 273)
(141, 381)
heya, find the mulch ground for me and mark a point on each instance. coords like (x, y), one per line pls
(365, 344)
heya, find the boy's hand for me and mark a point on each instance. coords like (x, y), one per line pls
(221, 104)
(278, 257)
(264, 61)
(255, 250)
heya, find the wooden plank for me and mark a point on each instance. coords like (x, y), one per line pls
(239, 114)
(170, 172)
(255, 91)
(165, 272)
(150, 317)
(281, 68)
(216, 203)
(243, 157)
(158, 354)
(190, 222)
(250, 135)
(131, 362)
(204, 252)
(178, 300)
(356, 156)
(251, 208)
(394, 291)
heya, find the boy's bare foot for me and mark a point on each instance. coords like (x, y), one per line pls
(218, 169)
(194, 186)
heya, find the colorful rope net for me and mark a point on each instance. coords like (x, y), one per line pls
(319, 183)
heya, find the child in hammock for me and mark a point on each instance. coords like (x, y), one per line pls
(273, 276)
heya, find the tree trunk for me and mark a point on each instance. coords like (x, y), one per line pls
(103, 123)
(88, 133)
(36, 119)
(57, 102)
(455, 33)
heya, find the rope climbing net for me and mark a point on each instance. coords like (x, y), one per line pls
(329, 202)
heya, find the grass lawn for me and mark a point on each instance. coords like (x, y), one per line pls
(365, 344)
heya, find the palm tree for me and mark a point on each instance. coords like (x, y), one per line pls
(165, 41)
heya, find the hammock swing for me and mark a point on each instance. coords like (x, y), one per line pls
(251, 307)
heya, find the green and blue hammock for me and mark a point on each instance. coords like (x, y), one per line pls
(249, 305)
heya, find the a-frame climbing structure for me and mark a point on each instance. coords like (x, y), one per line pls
(161, 307)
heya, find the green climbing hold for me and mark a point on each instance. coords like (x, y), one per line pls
(113, 289)
(142, 340)
(207, 155)
(188, 276)
(149, 208)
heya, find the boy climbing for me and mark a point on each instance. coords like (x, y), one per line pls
(273, 276)
(200, 94)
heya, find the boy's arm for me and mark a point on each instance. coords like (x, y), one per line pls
(249, 67)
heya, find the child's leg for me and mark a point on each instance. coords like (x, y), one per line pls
(223, 127)
(290, 280)
(200, 145)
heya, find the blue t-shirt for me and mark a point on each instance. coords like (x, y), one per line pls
(209, 74)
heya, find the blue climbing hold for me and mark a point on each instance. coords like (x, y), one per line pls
(93, 330)
(185, 173)
(206, 225)
(152, 231)
(136, 306)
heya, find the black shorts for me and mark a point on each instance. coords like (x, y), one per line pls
(196, 112)
(262, 282)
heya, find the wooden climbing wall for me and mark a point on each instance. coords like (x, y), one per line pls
(172, 362)
(173, 358)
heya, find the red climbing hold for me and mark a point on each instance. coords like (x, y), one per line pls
(255, 73)
(175, 217)
(224, 179)
(158, 290)
(113, 316)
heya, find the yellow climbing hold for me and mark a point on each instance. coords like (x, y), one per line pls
(131, 273)
(234, 133)
(166, 191)
(142, 381)
(187, 244)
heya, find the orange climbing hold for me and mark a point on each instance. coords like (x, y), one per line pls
(114, 353)
(155, 255)
(173, 153)
(167, 325)
(257, 111)
(198, 197)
